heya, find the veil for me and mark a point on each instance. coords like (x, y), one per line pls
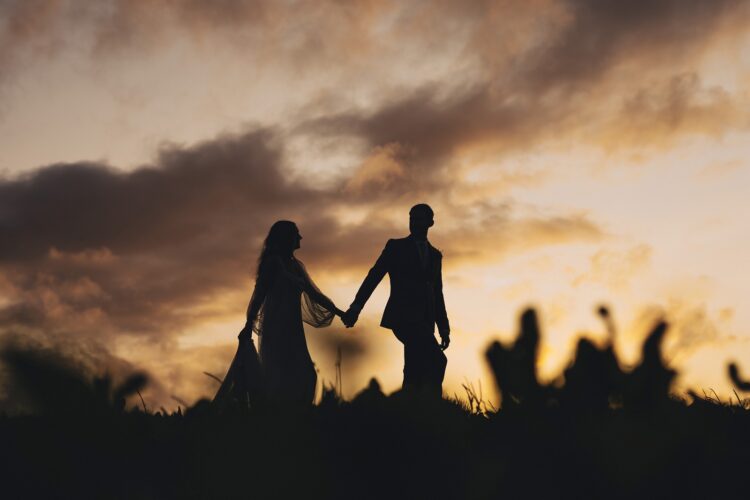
(243, 384)
(317, 309)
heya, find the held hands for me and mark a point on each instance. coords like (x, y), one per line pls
(349, 318)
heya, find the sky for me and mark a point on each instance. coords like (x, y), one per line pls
(576, 153)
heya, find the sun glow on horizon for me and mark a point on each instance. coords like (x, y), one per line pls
(573, 158)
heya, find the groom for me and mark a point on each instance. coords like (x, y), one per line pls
(416, 302)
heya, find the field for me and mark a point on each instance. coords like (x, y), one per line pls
(602, 432)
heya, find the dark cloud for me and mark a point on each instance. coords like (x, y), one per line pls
(123, 242)
(429, 126)
(539, 45)
(148, 209)
(91, 253)
(600, 35)
(43, 29)
(660, 114)
(576, 82)
(529, 71)
(86, 239)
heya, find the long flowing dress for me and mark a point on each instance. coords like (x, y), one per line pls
(283, 298)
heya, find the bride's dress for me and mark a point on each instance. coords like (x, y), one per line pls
(283, 298)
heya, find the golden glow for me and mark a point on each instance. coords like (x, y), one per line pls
(622, 181)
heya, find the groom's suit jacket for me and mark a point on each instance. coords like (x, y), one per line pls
(416, 285)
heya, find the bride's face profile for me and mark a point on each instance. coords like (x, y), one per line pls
(283, 239)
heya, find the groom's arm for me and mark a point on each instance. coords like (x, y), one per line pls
(373, 278)
(441, 316)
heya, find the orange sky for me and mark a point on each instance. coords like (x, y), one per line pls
(575, 152)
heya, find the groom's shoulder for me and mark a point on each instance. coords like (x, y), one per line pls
(395, 245)
(397, 242)
(435, 251)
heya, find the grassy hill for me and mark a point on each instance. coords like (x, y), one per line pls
(598, 432)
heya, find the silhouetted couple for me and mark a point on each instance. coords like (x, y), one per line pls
(285, 296)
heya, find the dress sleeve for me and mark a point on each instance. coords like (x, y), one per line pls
(317, 309)
(263, 284)
(254, 308)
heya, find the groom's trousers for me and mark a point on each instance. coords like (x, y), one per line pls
(424, 361)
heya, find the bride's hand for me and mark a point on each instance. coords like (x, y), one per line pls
(246, 332)
(338, 312)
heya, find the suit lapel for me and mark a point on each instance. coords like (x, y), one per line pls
(426, 272)
(412, 253)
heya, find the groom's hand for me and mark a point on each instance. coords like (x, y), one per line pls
(349, 318)
(445, 339)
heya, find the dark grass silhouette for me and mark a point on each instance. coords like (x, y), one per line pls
(598, 432)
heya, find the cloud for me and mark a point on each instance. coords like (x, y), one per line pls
(44, 29)
(599, 36)
(616, 269)
(503, 234)
(661, 113)
(133, 239)
(515, 74)
(573, 84)
(430, 128)
(381, 169)
(90, 253)
(95, 254)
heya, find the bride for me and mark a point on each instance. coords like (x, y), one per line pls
(283, 298)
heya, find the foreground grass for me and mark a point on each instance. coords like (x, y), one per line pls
(599, 432)
(380, 447)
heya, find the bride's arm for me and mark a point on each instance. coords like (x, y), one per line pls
(256, 301)
(311, 290)
(321, 299)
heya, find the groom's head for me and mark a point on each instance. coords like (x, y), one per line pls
(420, 219)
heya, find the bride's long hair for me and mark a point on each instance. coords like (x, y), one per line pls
(280, 242)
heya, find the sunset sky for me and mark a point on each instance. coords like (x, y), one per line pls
(576, 153)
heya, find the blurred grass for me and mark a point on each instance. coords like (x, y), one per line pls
(597, 432)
